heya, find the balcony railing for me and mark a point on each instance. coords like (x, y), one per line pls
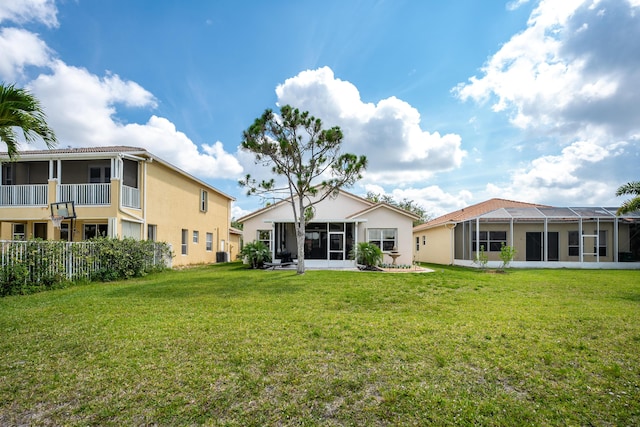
(85, 194)
(130, 197)
(24, 195)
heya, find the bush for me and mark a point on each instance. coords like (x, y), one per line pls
(31, 266)
(367, 254)
(507, 254)
(256, 253)
(126, 258)
(482, 259)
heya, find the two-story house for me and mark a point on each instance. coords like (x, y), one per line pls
(117, 192)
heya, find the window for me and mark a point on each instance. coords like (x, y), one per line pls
(574, 243)
(64, 231)
(384, 238)
(152, 232)
(196, 236)
(209, 242)
(40, 230)
(99, 174)
(18, 232)
(264, 236)
(94, 230)
(417, 243)
(185, 241)
(492, 241)
(424, 240)
(204, 201)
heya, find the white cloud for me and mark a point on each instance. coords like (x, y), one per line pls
(433, 199)
(21, 48)
(22, 11)
(82, 109)
(571, 78)
(389, 132)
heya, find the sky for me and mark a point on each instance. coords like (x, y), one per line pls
(453, 103)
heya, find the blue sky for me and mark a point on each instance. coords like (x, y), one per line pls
(452, 102)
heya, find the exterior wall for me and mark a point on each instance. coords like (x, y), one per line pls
(386, 218)
(434, 245)
(235, 244)
(173, 204)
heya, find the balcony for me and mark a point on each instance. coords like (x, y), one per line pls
(85, 194)
(24, 195)
(130, 197)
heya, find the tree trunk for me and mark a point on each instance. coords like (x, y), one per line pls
(300, 233)
(300, 240)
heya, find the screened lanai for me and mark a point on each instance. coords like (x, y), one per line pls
(552, 236)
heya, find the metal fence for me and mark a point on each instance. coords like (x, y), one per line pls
(70, 260)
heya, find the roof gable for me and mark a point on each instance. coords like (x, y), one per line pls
(383, 205)
(366, 204)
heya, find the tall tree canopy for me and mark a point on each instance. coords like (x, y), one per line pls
(296, 147)
(20, 109)
(406, 204)
(632, 204)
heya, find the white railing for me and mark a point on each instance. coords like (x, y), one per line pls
(130, 197)
(85, 194)
(24, 195)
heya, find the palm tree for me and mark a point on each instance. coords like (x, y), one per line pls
(20, 109)
(633, 204)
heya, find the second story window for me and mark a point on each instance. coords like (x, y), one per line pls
(204, 201)
(99, 174)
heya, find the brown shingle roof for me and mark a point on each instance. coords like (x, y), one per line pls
(476, 210)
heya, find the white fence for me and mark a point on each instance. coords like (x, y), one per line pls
(70, 260)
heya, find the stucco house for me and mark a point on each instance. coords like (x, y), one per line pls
(117, 192)
(339, 223)
(543, 236)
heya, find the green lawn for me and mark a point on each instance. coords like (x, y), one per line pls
(223, 345)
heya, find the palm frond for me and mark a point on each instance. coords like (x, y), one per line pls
(629, 188)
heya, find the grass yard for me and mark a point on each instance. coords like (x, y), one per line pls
(222, 345)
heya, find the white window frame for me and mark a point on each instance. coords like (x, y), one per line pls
(209, 242)
(98, 232)
(381, 238)
(204, 200)
(196, 236)
(265, 236)
(19, 235)
(152, 232)
(184, 246)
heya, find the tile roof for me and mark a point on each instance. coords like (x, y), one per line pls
(476, 210)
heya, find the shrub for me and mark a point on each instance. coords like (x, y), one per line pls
(367, 254)
(482, 258)
(507, 254)
(256, 253)
(127, 258)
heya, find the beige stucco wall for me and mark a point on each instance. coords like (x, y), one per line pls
(387, 218)
(434, 245)
(173, 204)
